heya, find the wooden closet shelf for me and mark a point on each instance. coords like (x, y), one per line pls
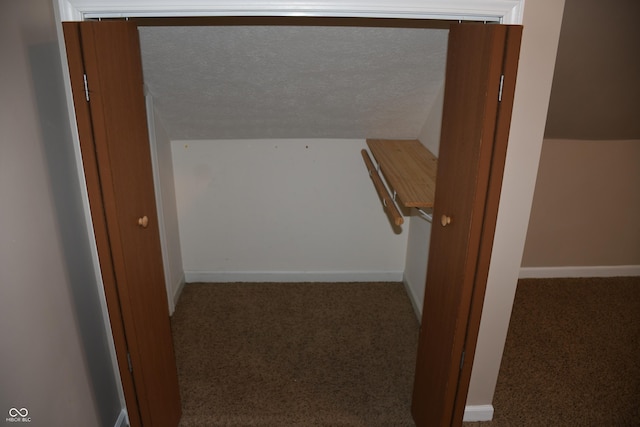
(409, 168)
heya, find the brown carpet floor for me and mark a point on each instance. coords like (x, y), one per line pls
(343, 355)
(572, 355)
(332, 354)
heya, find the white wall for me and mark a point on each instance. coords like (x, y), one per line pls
(542, 21)
(55, 350)
(297, 210)
(430, 132)
(415, 271)
(166, 205)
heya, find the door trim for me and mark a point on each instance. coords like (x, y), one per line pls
(503, 11)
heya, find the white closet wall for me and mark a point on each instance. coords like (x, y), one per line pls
(419, 235)
(282, 210)
(163, 178)
(256, 201)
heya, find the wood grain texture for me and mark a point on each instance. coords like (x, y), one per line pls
(389, 205)
(94, 190)
(474, 65)
(114, 72)
(501, 138)
(409, 168)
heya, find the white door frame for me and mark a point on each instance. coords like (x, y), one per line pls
(505, 11)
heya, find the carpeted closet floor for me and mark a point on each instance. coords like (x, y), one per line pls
(343, 355)
(265, 354)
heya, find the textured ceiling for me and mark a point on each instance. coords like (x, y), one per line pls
(279, 81)
(243, 82)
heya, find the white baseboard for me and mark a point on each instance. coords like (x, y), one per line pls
(292, 276)
(178, 288)
(579, 271)
(123, 419)
(478, 413)
(417, 307)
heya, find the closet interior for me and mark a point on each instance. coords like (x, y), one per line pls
(257, 126)
(257, 132)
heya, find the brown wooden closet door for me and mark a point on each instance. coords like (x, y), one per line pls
(470, 166)
(111, 57)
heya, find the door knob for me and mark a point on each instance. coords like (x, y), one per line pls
(445, 220)
(143, 221)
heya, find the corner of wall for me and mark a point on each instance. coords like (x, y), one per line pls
(122, 420)
(160, 146)
(415, 271)
(430, 133)
(409, 289)
(178, 288)
(542, 20)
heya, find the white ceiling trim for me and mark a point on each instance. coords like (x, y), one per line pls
(505, 11)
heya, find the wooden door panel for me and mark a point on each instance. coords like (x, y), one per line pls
(111, 57)
(473, 78)
(503, 124)
(88, 150)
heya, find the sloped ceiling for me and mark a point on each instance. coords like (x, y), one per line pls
(596, 84)
(278, 81)
(244, 82)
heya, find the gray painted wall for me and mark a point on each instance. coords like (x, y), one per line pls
(591, 151)
(55, 349)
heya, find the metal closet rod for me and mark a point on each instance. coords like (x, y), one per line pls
(387, 201)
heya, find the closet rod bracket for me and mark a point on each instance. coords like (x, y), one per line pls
(424, 214)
